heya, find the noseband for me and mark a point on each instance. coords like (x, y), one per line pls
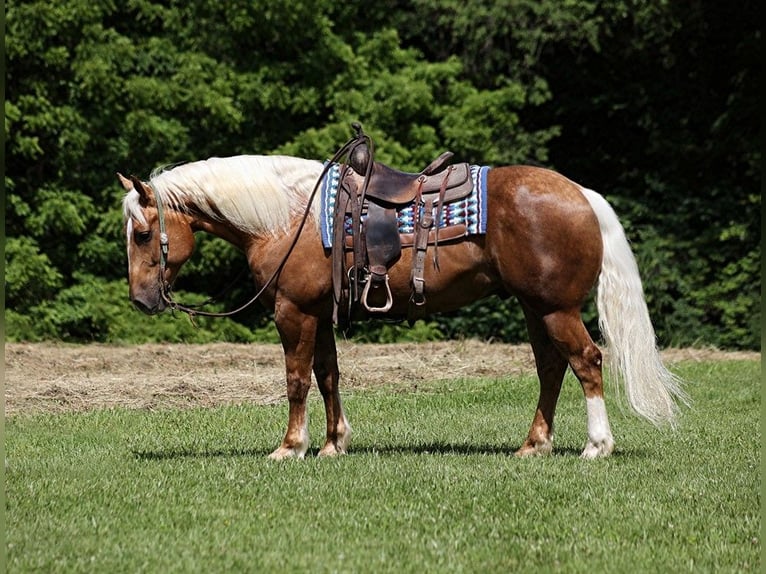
(164, 248)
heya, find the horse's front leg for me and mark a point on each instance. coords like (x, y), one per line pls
(327, 375)
(298, 334)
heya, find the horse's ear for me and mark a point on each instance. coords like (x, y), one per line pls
(145, 193)
(126, 183)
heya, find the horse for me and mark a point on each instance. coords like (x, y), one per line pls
(548, 243)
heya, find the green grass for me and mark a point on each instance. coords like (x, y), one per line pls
(430, 486)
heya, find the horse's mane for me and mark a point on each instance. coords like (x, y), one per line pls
(254, 193)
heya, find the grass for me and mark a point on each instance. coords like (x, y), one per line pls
(430, 486)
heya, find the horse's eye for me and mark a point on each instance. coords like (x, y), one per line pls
(142, 237)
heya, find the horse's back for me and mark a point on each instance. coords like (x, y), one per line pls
(542, 235)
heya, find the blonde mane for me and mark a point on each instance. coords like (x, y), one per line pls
(256, 194)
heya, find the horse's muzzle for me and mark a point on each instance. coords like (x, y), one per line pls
(149, 308)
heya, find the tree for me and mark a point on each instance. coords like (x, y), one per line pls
(668, 114)
(609, 93)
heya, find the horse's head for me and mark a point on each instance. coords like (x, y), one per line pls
(150, 271)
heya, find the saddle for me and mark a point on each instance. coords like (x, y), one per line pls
(370, 194)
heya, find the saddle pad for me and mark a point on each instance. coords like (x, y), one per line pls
(470, 211)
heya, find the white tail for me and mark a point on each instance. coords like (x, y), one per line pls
(632, 355)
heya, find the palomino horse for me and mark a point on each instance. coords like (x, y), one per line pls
(548, 241)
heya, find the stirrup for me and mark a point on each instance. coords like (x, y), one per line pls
(389, 298)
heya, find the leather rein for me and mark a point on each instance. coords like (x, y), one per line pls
(194, 310)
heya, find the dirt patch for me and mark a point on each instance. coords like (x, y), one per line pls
(65, 378)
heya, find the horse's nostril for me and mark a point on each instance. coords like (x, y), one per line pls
(143, 307)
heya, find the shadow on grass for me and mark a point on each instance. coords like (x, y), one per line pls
(180, 453)
(386, 450)
(478, 449)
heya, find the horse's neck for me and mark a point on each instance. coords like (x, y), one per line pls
(268, 205)
(222, 229)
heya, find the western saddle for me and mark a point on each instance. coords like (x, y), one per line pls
(370, 194)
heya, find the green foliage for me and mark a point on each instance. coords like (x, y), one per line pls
(607, 93)
(498, 319)
(29, 274)
(733, 302)
(681, 175)
(94, 310)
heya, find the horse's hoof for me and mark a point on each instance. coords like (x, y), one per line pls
(599, 449)
(331, 449)
(283, 453)
(337, 444)
(535, 449)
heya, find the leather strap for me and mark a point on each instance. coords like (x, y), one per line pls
(418, 297)
(442, 191)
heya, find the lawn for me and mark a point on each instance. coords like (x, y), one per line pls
(430, 485)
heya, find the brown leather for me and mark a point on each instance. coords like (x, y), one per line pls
(400, 188)
(438, 164)
(446, 234)
(381, 235)
(376, 242)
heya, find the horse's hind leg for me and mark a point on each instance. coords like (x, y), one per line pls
(566, 330)
(551, 366)
(327, 375)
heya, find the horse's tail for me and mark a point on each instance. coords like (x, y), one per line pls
(632, 355)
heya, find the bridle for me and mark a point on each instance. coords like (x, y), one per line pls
(194, 310)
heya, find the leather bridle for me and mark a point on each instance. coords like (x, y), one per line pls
(193, 310)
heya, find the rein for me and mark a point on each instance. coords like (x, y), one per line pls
(193, 310)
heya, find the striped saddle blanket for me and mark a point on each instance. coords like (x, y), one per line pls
(469, 213)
